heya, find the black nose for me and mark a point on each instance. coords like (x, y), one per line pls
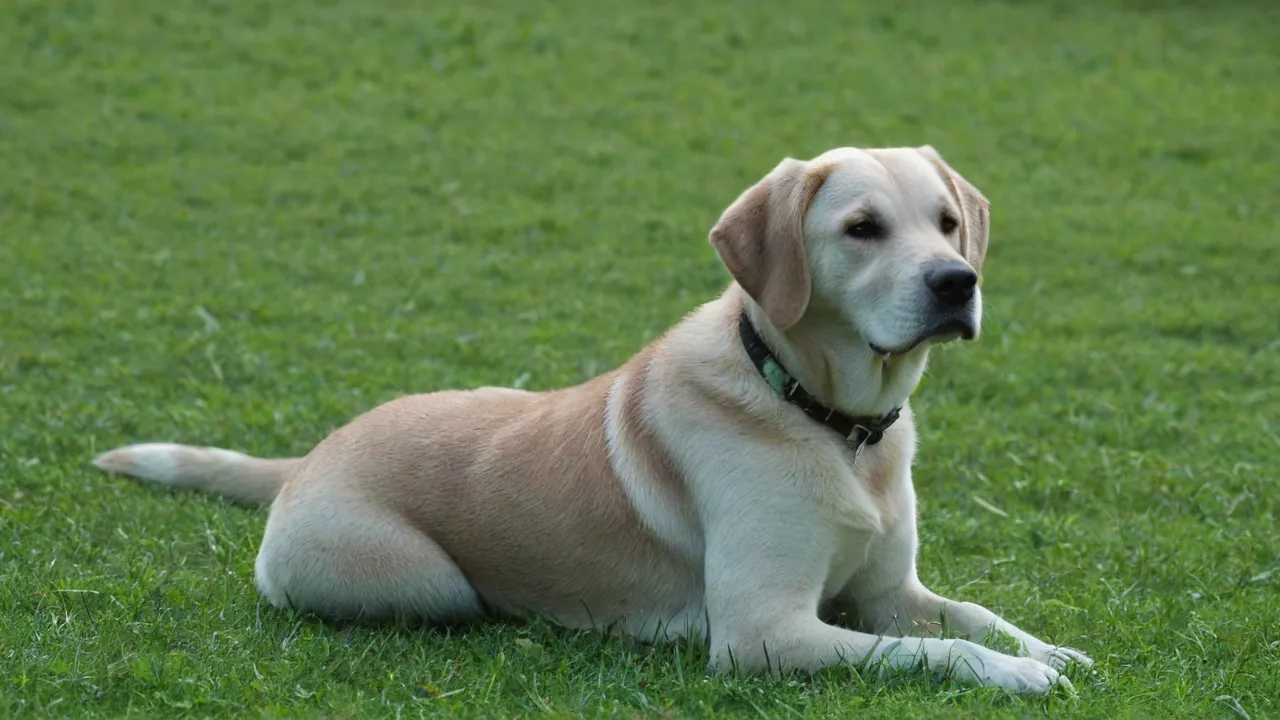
(951, 281)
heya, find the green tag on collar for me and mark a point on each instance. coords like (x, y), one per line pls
(775, 375)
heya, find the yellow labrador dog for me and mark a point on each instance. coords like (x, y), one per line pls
(745, 479)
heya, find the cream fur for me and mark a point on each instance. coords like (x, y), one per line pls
(676, 495)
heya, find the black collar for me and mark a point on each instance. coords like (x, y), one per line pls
(856, 431)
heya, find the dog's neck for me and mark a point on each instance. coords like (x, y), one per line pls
(837, 365)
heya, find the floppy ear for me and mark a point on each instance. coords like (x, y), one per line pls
(975, 210)
(760, 239)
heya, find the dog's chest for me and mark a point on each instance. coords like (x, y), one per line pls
(867, 524)
(862, 552)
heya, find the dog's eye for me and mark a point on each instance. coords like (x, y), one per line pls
(947, 223)
(865, 230)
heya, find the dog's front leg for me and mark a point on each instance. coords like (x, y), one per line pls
(764, 580)
(913, 608)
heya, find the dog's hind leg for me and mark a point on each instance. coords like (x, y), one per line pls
(346, 561)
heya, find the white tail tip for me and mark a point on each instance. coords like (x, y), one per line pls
(166, 463)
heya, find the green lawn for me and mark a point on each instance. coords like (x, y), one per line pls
(243, 223)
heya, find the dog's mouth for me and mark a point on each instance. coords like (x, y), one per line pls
(944, 332)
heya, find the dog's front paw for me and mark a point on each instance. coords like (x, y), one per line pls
(1026, 675)
(988, 668)
(1057, 657)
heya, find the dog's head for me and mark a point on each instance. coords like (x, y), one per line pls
(890, 241)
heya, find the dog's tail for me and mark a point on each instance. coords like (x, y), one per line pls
(211, 470)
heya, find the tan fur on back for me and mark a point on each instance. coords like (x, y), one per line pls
(494, 481)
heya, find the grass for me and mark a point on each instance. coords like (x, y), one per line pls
(243, 223)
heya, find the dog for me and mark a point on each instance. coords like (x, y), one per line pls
(744, 480)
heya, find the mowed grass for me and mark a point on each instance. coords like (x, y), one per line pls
(241, 224)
